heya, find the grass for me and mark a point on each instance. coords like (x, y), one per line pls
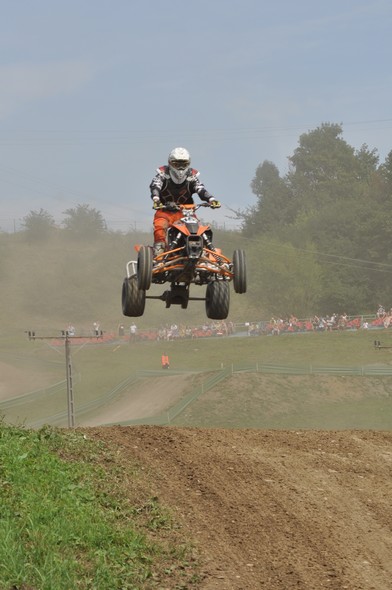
(98, 369)
(291, 402)
(64, 522)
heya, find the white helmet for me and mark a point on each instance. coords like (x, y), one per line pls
(179, 162)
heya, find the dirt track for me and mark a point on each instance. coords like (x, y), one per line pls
(150, 397)
(272, 510)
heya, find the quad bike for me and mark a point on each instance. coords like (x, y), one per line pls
(189, 259)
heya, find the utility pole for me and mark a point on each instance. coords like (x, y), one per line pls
(68, 368)
(68, 372)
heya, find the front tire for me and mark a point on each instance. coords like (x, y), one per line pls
(144, 268)
(218, 300)
(239, 270)
(133, 299)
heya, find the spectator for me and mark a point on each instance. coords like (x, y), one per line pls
(165, 361)
(174, 331)
(381, 311)
(133, 332)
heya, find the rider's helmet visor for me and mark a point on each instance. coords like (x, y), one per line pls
(179, 164)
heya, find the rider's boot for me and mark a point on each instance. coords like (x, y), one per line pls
(159, 248)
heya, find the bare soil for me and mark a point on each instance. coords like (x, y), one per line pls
(273, 510)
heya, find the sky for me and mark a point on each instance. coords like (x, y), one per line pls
(95, 93)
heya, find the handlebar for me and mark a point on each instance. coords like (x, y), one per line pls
(175, 207)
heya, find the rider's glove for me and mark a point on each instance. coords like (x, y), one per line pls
(171, 206)
(156, 202)
(214, 203)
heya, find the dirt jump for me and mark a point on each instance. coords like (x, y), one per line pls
(272, 510)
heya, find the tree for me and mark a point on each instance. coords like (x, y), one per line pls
(274, 205)
(284, 279)
(385, 171)
(38, 225)
(339, 200)
(84, 222)
(367, 162)
(275, 198)
(323, 168)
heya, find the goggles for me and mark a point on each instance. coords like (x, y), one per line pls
(179, 164)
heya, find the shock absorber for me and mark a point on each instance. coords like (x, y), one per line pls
(174, 243)
(211, 247)
(208, 242)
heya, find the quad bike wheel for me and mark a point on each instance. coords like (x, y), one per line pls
(144, 268)
(239, 270)
(133, 298)
(218, 300)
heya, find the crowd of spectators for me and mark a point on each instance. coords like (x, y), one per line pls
(291, 324)
(175, 332)
(274, 327)
(328, 323)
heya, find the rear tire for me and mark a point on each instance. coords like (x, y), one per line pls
(218, 300)
(133, 299)
(144, 268)
(239, 270)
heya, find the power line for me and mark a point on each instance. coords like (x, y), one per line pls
(117, 136)
(351, 262)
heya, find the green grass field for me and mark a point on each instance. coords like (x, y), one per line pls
(329, 348)
(100, 368)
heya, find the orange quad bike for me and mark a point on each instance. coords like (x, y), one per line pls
(189, 259)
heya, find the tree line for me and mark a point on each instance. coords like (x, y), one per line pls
(322, 233)
(82, 221)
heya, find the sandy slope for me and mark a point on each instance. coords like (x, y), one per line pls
(273, 510)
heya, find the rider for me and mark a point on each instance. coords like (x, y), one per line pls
(174, 185)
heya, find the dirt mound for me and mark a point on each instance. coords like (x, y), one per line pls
(273, 510)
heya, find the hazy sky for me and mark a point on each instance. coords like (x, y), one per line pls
(95, 93)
